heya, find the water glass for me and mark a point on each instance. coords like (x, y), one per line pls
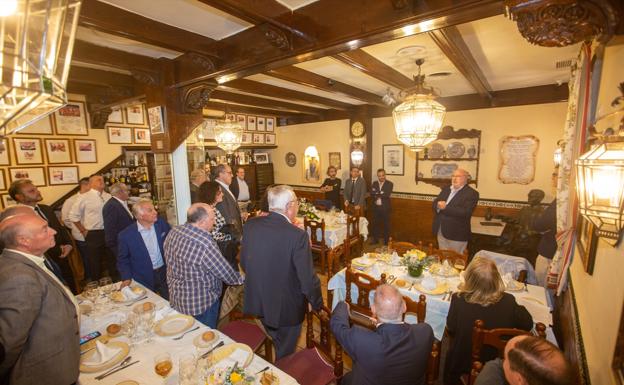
(188, 369)
(163, 365)
(91, 292)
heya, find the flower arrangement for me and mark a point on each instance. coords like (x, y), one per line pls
(415, 260)
(307, 209)
(229, 376)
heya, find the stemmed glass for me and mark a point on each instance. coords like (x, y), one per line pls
(106, 287)
(188, 368)
(91, 292)
(163, 365)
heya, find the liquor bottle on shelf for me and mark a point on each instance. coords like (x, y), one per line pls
(142, 160)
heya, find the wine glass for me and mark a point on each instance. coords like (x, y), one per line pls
(188, 368)
(91, 292)
(163, 365)
(106, 287)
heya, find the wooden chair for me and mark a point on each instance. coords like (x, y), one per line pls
(433, 364)
(360, 310)
(249, 331)
(350, 210)
(451, 255)
(419, 308)
(315, 365)
(353, 239)
(318, 245)
(400, 247)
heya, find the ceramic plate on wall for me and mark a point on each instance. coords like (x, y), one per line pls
(436, 151)
(456, 150)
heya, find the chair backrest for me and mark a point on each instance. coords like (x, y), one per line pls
(312, 227)
(365, 284)
(324, 343)
(353, 227)
(419, 308)
(452, 255)
(497, 338)
(333, 259)
(400, 247)
(350, 210)
(433, 364)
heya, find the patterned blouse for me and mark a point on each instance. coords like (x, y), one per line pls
(216, 230)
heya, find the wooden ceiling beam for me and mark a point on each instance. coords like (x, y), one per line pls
(456, 50)
(98, 77)
(224, 96)
(95, 54)
(310, 79)
(264, 89)
(235, 108)
(371, 66)
(116, 21)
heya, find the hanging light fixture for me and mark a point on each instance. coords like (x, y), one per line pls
(37, 40)
(228, 134)
(417, 121)
(600, 187)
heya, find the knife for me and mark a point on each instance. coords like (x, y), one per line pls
(213, 348)
(103, 376)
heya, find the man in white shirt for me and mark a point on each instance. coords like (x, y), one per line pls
(240, 189)
(75, 233)
(86, 215)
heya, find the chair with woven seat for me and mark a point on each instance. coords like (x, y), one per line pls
(315, 365)
(354, 239)
(360, 310)
(316, 229)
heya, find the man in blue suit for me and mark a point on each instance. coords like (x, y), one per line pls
(117, 216)
(140, 249)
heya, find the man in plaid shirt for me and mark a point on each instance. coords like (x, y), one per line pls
(196, 269)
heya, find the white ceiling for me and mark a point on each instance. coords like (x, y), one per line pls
(294, 4)
(123, 44)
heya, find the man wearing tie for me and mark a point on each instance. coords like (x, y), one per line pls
(380, 194)
(228, 208)
(355, 190)
(27, 194)
(117, 215)
(453, 208)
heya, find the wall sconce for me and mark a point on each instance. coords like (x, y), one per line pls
(558, 153)
(600, 187)
(311, 151)
(357, 157)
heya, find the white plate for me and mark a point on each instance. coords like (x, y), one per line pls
(140, 292)
(200, 343)
(225, 351)
(174, 324)
(117, 358)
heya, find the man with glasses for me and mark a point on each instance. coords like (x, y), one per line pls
(222, 174)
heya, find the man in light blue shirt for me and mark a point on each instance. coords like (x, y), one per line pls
(140, 248)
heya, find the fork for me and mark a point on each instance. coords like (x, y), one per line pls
(138, 300)
(185, 333)
(122, 363)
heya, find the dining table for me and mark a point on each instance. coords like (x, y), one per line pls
(336, 227)
(145, 351)
(532, 297)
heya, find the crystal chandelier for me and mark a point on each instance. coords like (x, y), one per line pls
(229, 135)
(37, 41)
(417, 121)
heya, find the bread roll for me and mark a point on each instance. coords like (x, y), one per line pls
(113, 329)
(208, 336)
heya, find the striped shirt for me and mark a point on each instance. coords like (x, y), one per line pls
(196, 269)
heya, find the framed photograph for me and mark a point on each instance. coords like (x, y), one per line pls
(71, 119)
(334, 160)
(251, 123)
(260, 123)
(58, 151)
(269, 138)
(85, 151)
(258, 138)
(135, 115)
(142, 136)
(42, 126)
(3, 182)
(120, 135)
(28, 150)
(242, 120)
(587, 243)
(4, 152)
(246, 137)
(161, 158)
(163, 171)
(156, 119)
(7, 201)
(58, 175)
(231, 117)
(270, 124)
(311, 168)
(35, 174)
(116, 116)
(394, 159)
(261, 157)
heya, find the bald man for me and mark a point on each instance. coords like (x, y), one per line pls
(13, 211)
(38, 317)
(395, 353)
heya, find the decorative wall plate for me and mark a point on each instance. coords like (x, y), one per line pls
(291, 159)
(456, 150)
(436, 151)
(443, 170)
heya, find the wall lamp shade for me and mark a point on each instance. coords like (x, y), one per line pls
(228, 135)
(311, 151)
(600, 188)
(37, 41)
(357, 157)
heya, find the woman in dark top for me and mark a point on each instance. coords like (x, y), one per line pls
(483, 297)
(210, 192)
(331, 187)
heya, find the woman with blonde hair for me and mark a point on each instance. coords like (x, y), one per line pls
(481, 296)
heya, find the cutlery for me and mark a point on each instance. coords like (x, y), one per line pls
(185, 333)
(263, 370)
(102, 376)
(412, 285)
(138, 300)
(122, 363)
(391, 279)
(213, 348)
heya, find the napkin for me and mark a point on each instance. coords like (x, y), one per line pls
(162, 313)
(507, 279)
(429, 283)
(395, 258)
(102, 354)
(128, 293)
(375, 271)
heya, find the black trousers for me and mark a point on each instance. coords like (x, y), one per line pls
(160, 282)
(100, 254)
(381, 223)
(284, 338)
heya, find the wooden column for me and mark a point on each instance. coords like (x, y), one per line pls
(362, 138)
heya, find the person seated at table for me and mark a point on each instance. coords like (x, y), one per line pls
(140, 249)
(527, 360)
(211, 193)
(395, 353)
(331, 187)
(482, 296)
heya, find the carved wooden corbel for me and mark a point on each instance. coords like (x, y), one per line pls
(277, 37)
(194, 97)
(146, 77)
(206, 63)
(99, 116)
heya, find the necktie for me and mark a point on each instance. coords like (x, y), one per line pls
(40, 213)
(55, 269)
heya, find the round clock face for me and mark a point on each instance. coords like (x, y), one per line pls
(357, 129)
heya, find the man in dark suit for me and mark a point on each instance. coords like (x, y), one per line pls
(228, 208)
(395, 353)
(453, 208)
(197, 178)
(355, 190)
(280, 282)
(38, 317)
(27, 194)
(380, 194)
(116, 215)
(140, 254)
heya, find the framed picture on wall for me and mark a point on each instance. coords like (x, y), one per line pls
(142, 136)
(260, 123)
(334, 160)
(156, 119)
(270, 124)
(311, 168)
(119, 135)
(135, 115)
(35, 174)
(59, 175)
(116, 116)
(231, 117)
(85, 151)
(251, 123)
(58, 151)
(269, 138)
(71, 119)
(393, 159)
(42, 126)
(258, 138)
(261, 157)
(28, 150)
(4, 152)
(246, 137)
(587, 243)
(242, 120)
(3, 181)
(7, 201)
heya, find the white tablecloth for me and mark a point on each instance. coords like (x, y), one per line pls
(477, 228)
(437, 310)
(506, 263)
(336, 232)
(143, 372)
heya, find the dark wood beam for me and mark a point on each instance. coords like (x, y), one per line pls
(310, 79)
(252, 11)
(95, 54)
(116, 21)
(234, 108)
(454, 47)
(224, 96)
(100, 94)
(375, 68)
(99, 77)
(282, 93)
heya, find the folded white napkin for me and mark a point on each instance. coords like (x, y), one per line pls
(375, 271)
(507, 278)
(128, 293)
(102, 354)
(395, 258)
(162, 313)
(429, 283)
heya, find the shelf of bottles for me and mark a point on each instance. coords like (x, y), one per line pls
(135, 169)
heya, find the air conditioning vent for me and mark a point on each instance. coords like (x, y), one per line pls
(563, 64)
